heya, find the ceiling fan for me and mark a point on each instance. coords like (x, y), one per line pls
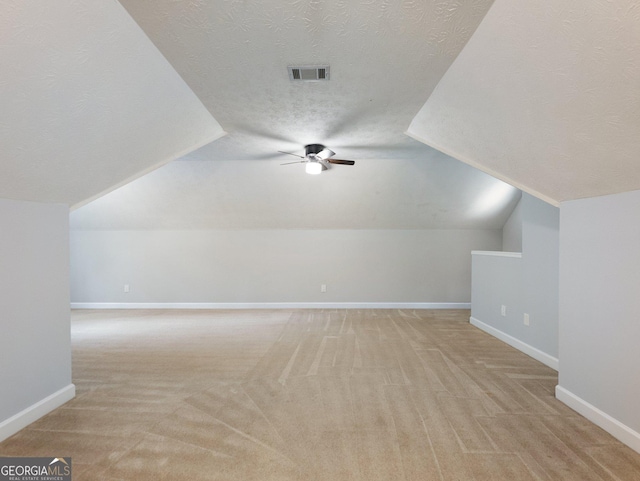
(317, 158)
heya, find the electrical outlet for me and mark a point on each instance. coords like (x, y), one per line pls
(323, 288)
(526, 319)
(503, 310)
(126, 288)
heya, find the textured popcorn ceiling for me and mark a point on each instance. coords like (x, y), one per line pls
(385, 56)
(546, 95)
(87, 102)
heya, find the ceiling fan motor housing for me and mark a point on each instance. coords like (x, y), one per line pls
(313, 149)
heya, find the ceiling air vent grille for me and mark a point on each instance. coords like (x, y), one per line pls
(309, 73)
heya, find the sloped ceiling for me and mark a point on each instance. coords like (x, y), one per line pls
(87, 102)
(546, 95)
(385, 60)
(91, 103)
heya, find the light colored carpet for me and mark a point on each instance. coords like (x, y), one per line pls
(313, 395)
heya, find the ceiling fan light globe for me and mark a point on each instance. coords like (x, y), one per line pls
(313, 168)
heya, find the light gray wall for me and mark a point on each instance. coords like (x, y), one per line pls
(35, 345)
(512, 230)
(600, 305)
(275, 265)
(527, 285)
(540, 273)
(496, 282)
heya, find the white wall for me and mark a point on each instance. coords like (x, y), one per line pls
(253, 266)
(35, 347)
(526, 285)
(600, 311)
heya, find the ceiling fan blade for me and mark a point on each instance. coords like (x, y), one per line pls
(325, 153)
(289, 153)
(296, 162)
(341, 162)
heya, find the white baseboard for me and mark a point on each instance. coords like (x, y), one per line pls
(614, 427)
(535, 353)
(19, 421)
(270, 305)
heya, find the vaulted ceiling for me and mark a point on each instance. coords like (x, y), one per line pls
(546, 96)
(542, 96)
(385, 59)
(87, 102)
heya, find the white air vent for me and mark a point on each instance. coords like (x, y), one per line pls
(308, 73)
